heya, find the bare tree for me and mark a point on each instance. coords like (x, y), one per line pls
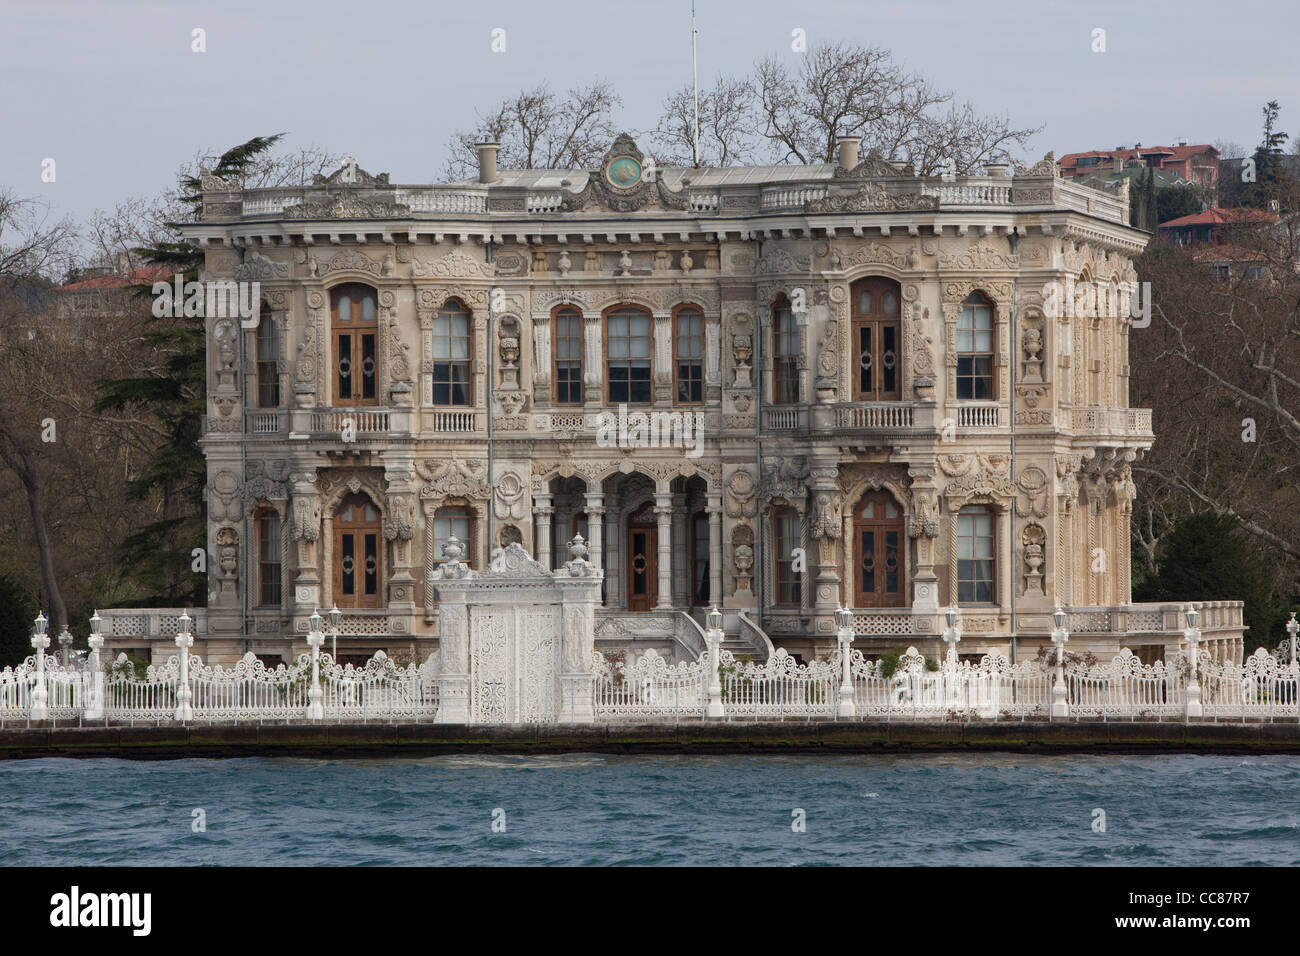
(728, 125)
(541, 129)
(851, 90)
(1223, 351)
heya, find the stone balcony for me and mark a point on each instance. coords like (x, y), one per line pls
(1125, 423)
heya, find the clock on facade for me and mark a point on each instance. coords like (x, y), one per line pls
(623, 172)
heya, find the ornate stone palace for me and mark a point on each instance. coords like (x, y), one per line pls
(777, 389)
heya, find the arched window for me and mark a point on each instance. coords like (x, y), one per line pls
(451, 355)
(453, 521)
(785, 354)
(877, 340)
(878, 537)
(357, 556)
(688, 355)
(786, 537)
(566, 341)
(975, 348)
(976, 555)
(269, 560)
(355, 321)
(628, 348)
(268, 359)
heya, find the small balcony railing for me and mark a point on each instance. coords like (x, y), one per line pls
(360, 421)
(876, 415)
(979, 416)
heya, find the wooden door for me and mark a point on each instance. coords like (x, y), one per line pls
(357, 553)
(877, 339)
(642, 561)
(878, 544)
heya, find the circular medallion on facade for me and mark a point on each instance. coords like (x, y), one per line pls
(623, 172)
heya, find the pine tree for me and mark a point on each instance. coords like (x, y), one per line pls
(158, 556)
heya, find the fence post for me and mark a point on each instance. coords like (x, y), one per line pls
(95, 704)
(1193, 636)
(40, 641)
(714, 637)
(316, 637)
(951, 637)
(184, 640)
(844, 634)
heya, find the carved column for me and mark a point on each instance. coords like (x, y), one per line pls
(664, 514)
(715, 549)
(923, 528)
(305, 529)
(595, 504)
(613, 559)
(713, 358)
(592, 371)
(825, 529)
(541, 360)
(662, 367)
(543, 514)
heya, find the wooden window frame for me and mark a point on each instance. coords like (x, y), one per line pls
(677, 359)
(567, 312)
(354, 332)
(262, 517)
(991, 355)
(470, 542)
(444, 312)
(878, 321)
(789, 360)
(605, 340)
(791, 580)
(268, 370)
(992, 514)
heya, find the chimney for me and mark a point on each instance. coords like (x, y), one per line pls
(848, 145)
(487, 161)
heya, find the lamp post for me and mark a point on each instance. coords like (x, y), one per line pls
(315, 637)
(336, 622)
(951, 637)
(40, 641)
(184, 640)
(1193, 637)
(713, 636)
(844, 634)
(1060, 706)
(95, 706)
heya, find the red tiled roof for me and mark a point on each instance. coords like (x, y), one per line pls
(1170, 152)
(1215, 216)
(134, 277)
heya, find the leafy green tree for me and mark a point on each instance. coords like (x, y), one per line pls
(1270, 173)
(158, 555)
(17, 611)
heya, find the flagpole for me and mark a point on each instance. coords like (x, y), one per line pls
(695, 84)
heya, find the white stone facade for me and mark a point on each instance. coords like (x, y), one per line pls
(750, 302)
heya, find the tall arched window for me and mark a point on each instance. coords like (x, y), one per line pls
(357, 555)
(268, 359)
(355, 321)
(688, 355)
(785, 354)
(269, 561)
(975, 348)
(451, 355)
(786, 537)
(976, 555)
(877, 339)
(566, 341)
(878, 539)
(628, 348)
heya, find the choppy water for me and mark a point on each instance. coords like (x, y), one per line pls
(594, 809)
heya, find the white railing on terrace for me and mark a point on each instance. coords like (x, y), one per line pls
(875, 415)
(978, 416)
(781, 418)
(973, 192)
(453, 421)
(443, 200)
(1085, 199)
(782, 197)
(1111, 421)
(150, 622)
(549, 200)
(359, 420)
(705, 202)
(263, 423)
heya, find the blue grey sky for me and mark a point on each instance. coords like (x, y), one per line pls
(112, 91)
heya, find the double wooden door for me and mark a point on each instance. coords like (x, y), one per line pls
(878, 540)
(357, 553)
(642, 560)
